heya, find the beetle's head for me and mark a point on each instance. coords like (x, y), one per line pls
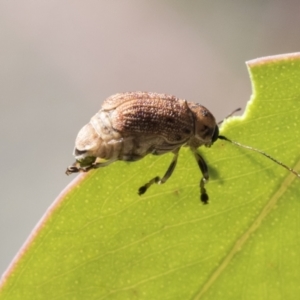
(86, 145)
(206, 128)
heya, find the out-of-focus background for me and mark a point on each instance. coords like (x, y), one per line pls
(60, 59)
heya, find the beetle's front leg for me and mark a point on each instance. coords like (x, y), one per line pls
(204, 170)
(159, 180)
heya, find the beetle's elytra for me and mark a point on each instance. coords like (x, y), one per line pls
(131, 125)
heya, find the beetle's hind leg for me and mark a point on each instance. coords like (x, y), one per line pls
(75, 168)
(204, 170)
(159, 180)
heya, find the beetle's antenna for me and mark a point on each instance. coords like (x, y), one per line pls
(230, 115)
(221, 137)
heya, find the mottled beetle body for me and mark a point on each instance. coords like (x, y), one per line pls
(131, 125)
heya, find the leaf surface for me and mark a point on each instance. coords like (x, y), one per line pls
(100, 240)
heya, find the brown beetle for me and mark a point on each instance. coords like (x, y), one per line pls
(132, 125)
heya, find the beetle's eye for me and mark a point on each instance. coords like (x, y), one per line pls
(79, 152)
(216, 134)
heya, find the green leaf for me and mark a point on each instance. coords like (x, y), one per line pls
(100, 240)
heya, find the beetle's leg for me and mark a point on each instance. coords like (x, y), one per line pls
(159, 180)
(204, 170)
(98, 165)
(72, 169)
(75, 168)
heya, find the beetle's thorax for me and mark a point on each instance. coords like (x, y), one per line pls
(205, 126)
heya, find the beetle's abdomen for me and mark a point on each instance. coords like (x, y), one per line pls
(98, 139)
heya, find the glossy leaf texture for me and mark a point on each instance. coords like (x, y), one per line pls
(100, 240)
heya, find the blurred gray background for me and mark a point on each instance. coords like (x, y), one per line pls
(60, 59)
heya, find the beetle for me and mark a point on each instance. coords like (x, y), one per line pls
(131, 125)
